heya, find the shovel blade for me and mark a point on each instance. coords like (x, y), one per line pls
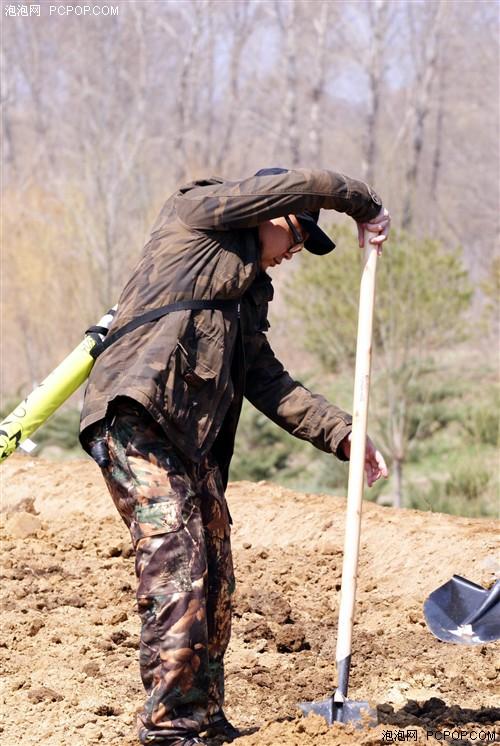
(449, 609)
(359, 714)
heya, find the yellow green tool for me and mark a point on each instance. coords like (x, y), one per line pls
(49, 395)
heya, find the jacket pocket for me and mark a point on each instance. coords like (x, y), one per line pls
(193, 371)
(191, 389)
(255, 306)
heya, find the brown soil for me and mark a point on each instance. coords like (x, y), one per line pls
(69, 631)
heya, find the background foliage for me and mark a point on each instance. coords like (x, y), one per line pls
(103, 116)
(422, 295)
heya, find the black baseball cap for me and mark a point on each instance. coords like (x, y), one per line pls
(317, 241)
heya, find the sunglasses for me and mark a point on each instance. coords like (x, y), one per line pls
(298, 239)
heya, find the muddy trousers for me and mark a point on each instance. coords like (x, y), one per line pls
(179, 522)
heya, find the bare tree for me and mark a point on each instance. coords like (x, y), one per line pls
(437, 154)
(317, 94)
(242, 19)
(424, 42)
(379, 13)
(103, 117)
(7, 99)
(286, 14)
(184, 97)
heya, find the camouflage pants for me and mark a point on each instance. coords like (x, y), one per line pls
(179, 523)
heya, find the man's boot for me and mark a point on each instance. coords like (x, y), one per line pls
(218, 725)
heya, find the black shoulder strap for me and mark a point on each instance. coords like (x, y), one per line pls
(156, 313)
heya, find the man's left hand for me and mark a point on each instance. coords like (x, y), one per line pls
(375, 466)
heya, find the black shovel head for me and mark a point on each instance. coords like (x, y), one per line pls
(465, 613)
(342, 710)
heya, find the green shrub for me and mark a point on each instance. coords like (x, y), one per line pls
(468, 481)
(265, 451)
(438, 497)
(262, 449)
(483, 425)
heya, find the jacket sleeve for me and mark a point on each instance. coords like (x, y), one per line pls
(244, 204)
(289, 404)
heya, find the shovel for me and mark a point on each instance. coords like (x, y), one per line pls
(339, 708)
(462, 612)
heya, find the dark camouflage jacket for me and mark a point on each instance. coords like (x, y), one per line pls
(190, 369)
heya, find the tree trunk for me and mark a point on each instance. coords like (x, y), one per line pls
(318, 90)
(438, 149)
(378, 14)
(422, 104)
(398, 478)
(242, 21)
(184, 93)
(287, 18)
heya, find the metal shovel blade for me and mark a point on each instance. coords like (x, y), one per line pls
(342, 710)
(465, 613)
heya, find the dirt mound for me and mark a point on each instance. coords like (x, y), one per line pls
(70, 632)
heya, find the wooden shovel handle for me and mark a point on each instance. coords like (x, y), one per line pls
(358, 447)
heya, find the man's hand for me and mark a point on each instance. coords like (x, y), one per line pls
(375, 466)
(378, 225)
